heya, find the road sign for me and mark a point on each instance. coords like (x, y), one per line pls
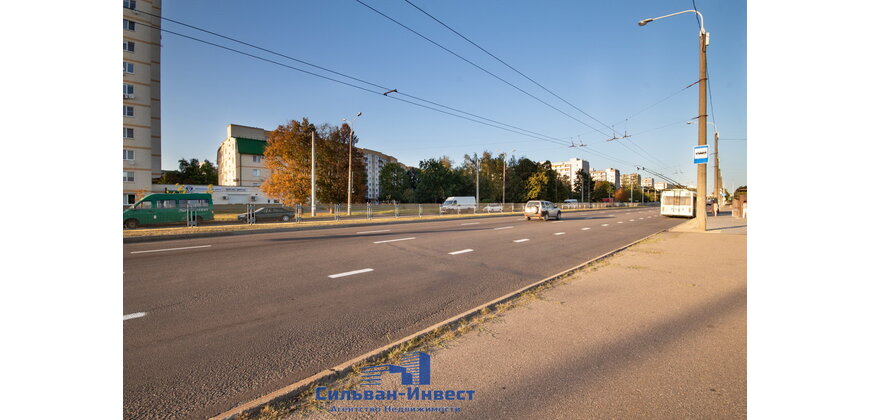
(701, 154)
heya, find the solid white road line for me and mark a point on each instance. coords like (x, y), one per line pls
(559, 233)
(504, 227)
(134, 316)
(374, 231)
(394, 240)
(170, 249)
(350, 273)
(585, 229)
(472, 223)
(460, 252)
(521, 240)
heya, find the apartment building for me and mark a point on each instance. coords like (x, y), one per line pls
(661, 185)
(141, 101)
(375, 161)
(630, 180)
(647, 182)
(240, 161)
(610, 175)
(570, 167)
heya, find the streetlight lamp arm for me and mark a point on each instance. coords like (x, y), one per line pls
(645, 21)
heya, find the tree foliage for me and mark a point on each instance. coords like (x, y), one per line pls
(191, 172)
(288, 157)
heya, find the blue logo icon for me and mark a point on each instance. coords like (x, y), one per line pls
(414, 368)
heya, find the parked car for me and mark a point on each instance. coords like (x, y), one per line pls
(269, 214)
(493, 208)
(543, 209)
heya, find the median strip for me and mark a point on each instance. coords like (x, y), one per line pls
(350, 273)
(395, 240)
(135, 315)
(460, 252)
(170, 249)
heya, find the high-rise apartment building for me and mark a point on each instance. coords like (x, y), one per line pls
(647, 182)
(629, 180)
(374, 161)
(610, 175)
(570, 167)
(141, 103)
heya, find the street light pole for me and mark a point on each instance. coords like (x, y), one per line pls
(350, 162)
(704, 39)
(504, 176)
(313, 180)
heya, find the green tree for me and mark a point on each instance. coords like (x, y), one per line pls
(602, 189)
(394, 182)
(191, 172)
(582, 185)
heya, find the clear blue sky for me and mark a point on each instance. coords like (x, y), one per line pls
(593, 54)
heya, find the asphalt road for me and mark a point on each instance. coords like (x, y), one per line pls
(213, 322)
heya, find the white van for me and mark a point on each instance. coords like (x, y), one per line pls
(678, 202)
(457, 204)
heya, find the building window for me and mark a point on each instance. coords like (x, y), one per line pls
(129, 25)
(256, 172)
(129, 154)
(128, 67)
(258, 158)
(128, 133)
(129, 46)
(130, 4)
(128, 111)
(128, 176)
(129, 199)
(128, 90)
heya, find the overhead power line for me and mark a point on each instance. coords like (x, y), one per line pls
(506, 64)
(479, 67)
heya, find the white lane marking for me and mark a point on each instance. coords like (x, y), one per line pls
(631, 220)
(460, 252)
(559, 233)
(135, 315)
(605, 224)
(395, 240)
(618, 222)
(350, 273)
(559, 221)
(374, 231)
(521, 240)
(504, 227)
(170, 249)
(585, 229)
(472, 223)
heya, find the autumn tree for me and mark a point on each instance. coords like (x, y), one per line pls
(288, 157)
(394, 182)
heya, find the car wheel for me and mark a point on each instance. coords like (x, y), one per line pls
(546, 217)
(528, 218)
(559, 215)
(285, 218)
(131, 223)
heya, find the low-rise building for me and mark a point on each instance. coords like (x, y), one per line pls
(647, 182)
(661, 185)
(240, 157)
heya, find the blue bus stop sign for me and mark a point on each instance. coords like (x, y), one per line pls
(701, 154)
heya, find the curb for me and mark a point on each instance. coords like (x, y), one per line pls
(196, 235)
(298, 387)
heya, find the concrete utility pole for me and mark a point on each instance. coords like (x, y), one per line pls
(701, 193)
(313, 180)
(717, 181)
(350, 161)
(477, 182)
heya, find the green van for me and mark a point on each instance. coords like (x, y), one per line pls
(169, 208)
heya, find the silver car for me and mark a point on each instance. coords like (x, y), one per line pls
(543, 209)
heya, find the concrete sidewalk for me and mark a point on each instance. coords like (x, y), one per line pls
(655, 331)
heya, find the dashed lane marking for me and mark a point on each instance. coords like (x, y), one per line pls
(350, 273)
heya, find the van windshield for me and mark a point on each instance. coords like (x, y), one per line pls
(449, 202)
